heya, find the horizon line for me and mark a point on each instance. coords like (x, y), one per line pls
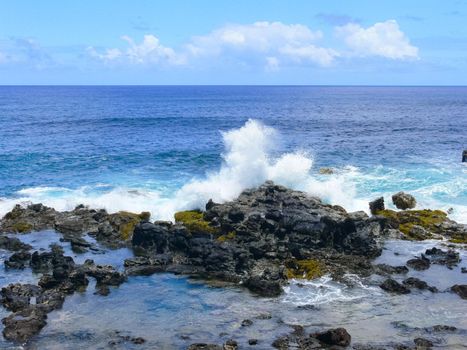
(224, 85)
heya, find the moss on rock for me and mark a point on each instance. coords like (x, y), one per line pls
(22, 227)
(193, 220)
(127, 221)
(409, 220)
(305, 269)
(227, 237)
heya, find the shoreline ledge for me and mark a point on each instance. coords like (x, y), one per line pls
(261, 240)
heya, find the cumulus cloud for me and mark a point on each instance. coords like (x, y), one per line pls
(275, 41)
(149, 51)
(383, 39)
(271, 44)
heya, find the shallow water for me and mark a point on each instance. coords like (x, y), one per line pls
(171, 312)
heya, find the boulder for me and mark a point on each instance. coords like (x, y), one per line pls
(23, 325)
(404, 200)
(419, 264)
(377, 205)
(393, 286)
(460, 290)
(413, 282)
(336, 336)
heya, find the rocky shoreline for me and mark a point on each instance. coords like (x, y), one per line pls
(261, 240)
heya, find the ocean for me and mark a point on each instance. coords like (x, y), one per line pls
(168, 148)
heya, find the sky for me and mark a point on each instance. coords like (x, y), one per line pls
(286, 42)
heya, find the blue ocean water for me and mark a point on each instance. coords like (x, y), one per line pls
(166, 148)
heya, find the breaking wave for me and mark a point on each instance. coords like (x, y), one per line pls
(248, 160)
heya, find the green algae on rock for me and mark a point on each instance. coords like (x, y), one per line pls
(305, 269)
(194, 221)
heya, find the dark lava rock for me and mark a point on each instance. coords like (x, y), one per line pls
(146, 266)
(376, 205)
(18, 296)
(419, 264)
(336, 336)
(22, 325)
(422, 342)
(252, 341)
(449, 258)
(393, 286)
(246, 323)
(230, 345)
(413, 282)
(404, 201)
(18, 260)
(441, 328)
(13, 244)
(204, 346)
(264, 287)
(385, 269)
(464, 270)
(460, 289)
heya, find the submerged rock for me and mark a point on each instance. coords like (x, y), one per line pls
(413, 282)
(335, 336)
(393, 286)
(404, 200)
(419, 264)
(450, 258)
(460, 289)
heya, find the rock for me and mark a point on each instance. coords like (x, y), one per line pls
(204, 346)
(464, 156)
(404, 201)
(18, 260)
(13, 244)
(252, 341)
(377, 205)
(423, 343)
(263, 287)
(393, 286)
(246, 323)
(336, 336)
(442, 328)
(18, 296)
(419, 264)
(144, 266)
(230, 345)
(326, 171)
(22, 325)
(413, 282)
(449, 258)
(460, 289)
(463, 269)
(385, 269)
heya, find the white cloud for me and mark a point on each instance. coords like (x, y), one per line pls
(149, 51)
(271, 44)
(279, 41)
(383, 39)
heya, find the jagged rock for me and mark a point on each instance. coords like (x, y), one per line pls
(377, 205)
(17, 296)
(449, 258)
(393, 286)
(419, 264)
(18, 260)
(404, 201)
(24, 324)
(13, 244)
(204, 346)
(460, 289)
(413, 282)
(385, 269)
(423, 343)
(336, 336)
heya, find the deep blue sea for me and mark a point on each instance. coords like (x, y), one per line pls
(168, 148)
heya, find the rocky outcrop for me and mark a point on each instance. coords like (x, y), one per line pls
(30, 304)
(425, 224)
(376, 205)
(13, 244)
(404, 200)
(299, 339)
(460, 290)
(393, 286)
(111, 229)
(261, 239)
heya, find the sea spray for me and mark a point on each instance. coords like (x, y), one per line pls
(247, 161)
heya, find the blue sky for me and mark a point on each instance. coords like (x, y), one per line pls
(233, 42)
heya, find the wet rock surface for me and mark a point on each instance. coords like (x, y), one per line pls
(404, 201)
(262, 240)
